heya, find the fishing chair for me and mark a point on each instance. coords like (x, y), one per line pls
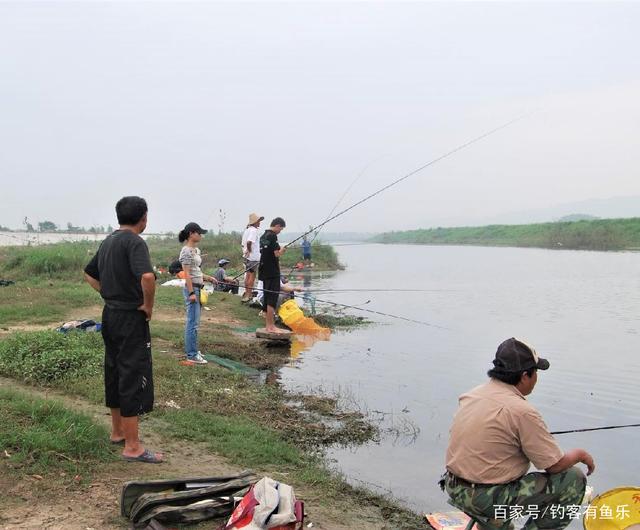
(483, 522)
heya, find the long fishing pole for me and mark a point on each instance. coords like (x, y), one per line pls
(356, 307)
(397, 181)
(421, 168)
(422, 322)
(335, 206)
(380, 290)
(599, 428)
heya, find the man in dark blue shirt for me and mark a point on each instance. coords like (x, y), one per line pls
(121, 272)
(306, 251)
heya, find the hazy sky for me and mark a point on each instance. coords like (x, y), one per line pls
(278, 107)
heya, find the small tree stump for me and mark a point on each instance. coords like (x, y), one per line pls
(262, 333)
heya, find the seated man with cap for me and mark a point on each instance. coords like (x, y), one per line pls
(496, 435)
(225, 283)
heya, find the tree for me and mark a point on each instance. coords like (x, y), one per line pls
(47, 226)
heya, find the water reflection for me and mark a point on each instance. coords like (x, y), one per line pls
(302, 343)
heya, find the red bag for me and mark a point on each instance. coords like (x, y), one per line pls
(243, 515)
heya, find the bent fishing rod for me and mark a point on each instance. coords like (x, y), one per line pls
(598, 428)
(410, 174)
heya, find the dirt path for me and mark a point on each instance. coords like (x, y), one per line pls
(46, 504)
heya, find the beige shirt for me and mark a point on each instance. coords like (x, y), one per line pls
(496, 435)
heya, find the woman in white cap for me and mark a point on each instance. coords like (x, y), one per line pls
(191, 261)
(250, 255)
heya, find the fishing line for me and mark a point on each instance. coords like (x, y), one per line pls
(380, 291)
(317, 232)
(421, 168)
(381, 313)
(599, 428)
(362, 172)
(356, 307)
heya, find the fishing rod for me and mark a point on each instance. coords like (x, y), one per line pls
(356, 307)
(421, 168)
(317, 232)
(380, 313)
(380, 290)
(362, 172)
(599, 428)
(398, 180)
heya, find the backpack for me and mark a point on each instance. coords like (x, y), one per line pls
(267, 505)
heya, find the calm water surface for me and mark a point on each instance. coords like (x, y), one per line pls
(581, 310)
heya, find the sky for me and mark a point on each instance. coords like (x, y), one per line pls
(280, 108)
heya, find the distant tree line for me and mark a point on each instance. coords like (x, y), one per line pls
(598, 234)
(50, 226)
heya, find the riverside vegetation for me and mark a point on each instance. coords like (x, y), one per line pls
(56, 451)
(599, 234)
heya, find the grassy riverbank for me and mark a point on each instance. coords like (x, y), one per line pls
(600, 234)
(207, 419)
(66, 260)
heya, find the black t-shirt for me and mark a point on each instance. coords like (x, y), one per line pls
(121, 260)
(269, 262)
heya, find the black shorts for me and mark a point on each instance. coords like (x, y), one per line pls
(271, 288)
(128, 379)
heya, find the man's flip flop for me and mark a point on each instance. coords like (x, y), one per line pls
(147, 457)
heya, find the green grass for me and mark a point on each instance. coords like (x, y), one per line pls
(67, 260)
(42, 437)
(239, 439)
(50, 357)
(37, 302)
(601, 234)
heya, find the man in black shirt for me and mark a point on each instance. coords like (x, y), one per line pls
(269, 271)
(121, 272)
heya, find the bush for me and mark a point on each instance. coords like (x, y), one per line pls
(49, 357)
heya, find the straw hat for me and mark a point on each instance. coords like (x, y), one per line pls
(253, 218)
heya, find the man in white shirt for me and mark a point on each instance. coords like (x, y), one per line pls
(250, 255)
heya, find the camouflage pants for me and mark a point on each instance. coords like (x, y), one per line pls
(543, 496)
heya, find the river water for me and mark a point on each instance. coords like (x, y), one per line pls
(581, 310)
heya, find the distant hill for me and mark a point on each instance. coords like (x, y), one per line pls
(599, 234)
(577, 217)
(610, 208)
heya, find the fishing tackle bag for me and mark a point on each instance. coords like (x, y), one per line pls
(181, 501)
